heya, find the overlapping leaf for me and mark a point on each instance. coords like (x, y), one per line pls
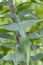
(25, 24)
(37, 57)
(16, 58)
(24, 12)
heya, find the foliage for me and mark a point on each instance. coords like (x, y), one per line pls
(25, 48)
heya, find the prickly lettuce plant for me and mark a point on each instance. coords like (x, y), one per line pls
(21, 32)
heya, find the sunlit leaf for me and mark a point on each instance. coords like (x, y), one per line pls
(25, 24)
(23, 6)
(16, 58)
(27, 48)
(7, 16)
(8, 45)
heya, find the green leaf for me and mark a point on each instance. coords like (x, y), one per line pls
(26, 5)
(36, 0)
(10, 57)
(6, 36)
(1, 55)
(34, 35)
(4, 3)
(14, 57)
(28, 54)
(37, 57)
(24, 12)
(36, 46)
(8, 45)
(41, 32)
(7, 16)
(11, 27)
(23, 6)
(30, 22)
(25, 24)
(27, 50)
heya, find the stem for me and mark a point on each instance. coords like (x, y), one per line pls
(12, 11)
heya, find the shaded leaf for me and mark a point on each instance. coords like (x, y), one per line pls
(24, 12)
(6, 35)
(1, 55)
(4, 3)
(37, 57)
(34, 35)
(41, 32)
(36, 46)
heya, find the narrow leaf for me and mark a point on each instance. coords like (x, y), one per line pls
(25, 24)
(37, 57)
(7, 16)
(15, 58)
(6, 35)
(8, 45)
(24, 12)
(3, 3)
